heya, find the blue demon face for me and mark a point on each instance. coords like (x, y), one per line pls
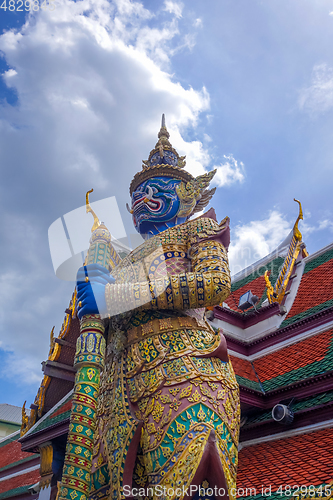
(155, 204)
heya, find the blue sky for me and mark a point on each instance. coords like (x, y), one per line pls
(246, 86)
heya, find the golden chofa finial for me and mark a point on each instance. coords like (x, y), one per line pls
(297, 233)
(89, 209)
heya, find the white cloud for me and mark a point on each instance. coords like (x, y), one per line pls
(326, 224)
(91, 90)
(92, 81)
(229, 172)
(26, 312)
(318, 96)
(252, 241)
(172, 7)
(198, 23)
(21, 369)
(307, 228)
(8, 75)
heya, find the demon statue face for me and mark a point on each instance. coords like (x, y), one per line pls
(155, 205)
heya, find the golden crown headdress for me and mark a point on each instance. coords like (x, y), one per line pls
(164, 161)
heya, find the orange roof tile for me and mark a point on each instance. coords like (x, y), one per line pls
(305, 459)
(294, 356)
(11, 453)
(243, 368)
(315, 288)
(31, 477)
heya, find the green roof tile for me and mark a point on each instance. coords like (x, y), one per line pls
(15, 492)
(307, 313)
(321, 259)
(280, 496)
(245, 382)
(10, 439)
(49, 420)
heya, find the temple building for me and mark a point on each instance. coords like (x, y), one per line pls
(278, 323)
(282, 353)
(10, 419)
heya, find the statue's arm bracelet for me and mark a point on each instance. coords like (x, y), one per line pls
(208, 285)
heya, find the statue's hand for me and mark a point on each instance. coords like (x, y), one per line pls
(90, 285)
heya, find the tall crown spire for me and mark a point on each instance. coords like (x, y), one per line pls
(164, 153)
(163, 130)
(163, 160)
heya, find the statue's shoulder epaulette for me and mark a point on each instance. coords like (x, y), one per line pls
(205, 227)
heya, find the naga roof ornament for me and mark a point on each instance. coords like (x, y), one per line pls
(278, 292)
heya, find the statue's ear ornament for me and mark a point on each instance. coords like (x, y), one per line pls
(181, 162)
(193, 195)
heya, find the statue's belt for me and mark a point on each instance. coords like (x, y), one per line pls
(163, 325)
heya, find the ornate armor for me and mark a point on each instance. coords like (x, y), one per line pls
(165, 386)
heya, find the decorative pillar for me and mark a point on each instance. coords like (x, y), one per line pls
(89, 362)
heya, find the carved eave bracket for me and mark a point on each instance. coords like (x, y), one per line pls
(46, 458)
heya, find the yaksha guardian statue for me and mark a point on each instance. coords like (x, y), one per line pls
(167, 413)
